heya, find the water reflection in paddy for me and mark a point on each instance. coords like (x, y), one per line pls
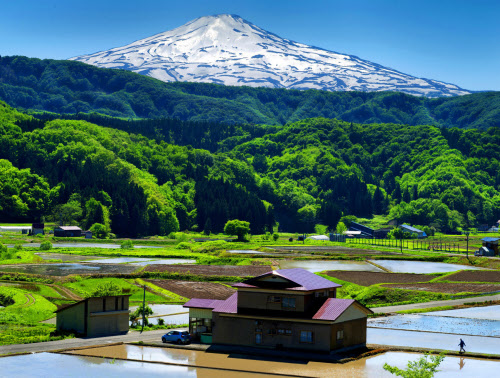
(174, 314)
(430, 323)
(421, 267)
(58, 365)
(366, 367)
(65, 269)
(87, 245)
(165, 261)
(315, 266)
(65, 257)
(487, 312)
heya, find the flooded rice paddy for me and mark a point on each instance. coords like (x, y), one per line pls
(421, 267)
(438, 324)
(171, 314)
(429, 340)
(65, 269)
(65, 257)
(87, 245)
(366, 367)
(38, 365)
(315, 266)
(487, 312)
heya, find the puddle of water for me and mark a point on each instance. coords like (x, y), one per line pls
(315, 266)
(399, 266)
(87, 245)
(165, 261)
(418, 322)
(246, 251)
(66, 269)
(487, 312)
(38, 365)
(429, 340)
(367, 367)
(65, 257)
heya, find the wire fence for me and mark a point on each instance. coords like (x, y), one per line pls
(428, 245)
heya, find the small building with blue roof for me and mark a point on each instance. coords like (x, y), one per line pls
(414, 231)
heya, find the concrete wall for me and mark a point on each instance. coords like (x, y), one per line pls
(72, 319)
(241, 331)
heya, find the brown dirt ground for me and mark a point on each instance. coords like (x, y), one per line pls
(475, 276)
(372, 278)
(451, 288)
(188, 289)
(211, 270)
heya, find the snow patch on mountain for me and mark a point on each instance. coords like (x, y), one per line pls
(226, 49)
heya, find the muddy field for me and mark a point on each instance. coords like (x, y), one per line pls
(372, 278)
(476, 276)
(450, 288)
(188, 289)
(212, 270)
(331, 249)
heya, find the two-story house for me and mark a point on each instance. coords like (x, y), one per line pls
(288, 308)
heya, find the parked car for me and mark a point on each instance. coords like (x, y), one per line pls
(178, 337)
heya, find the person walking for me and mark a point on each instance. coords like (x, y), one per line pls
(461, 345)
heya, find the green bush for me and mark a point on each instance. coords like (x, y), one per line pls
(276, 236)
(45, 246)
(183, 245)
(127, 244)
(99, 231)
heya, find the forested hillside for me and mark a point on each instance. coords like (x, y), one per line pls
(72, 87)
(308, 172)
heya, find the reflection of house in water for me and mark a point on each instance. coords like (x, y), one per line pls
(287, 308)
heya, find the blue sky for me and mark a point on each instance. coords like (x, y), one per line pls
(455, 41)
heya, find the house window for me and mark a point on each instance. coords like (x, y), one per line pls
(306, 337)
(274, 299)
(288, 303)
(284, 331)
(258, 338)
(340, 334)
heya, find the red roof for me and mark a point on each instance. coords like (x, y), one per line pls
(229, 306)
(201, 303)
(333, 308)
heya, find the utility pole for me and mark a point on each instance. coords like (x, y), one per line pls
(401, 243)
(467, 233)
(143, 309)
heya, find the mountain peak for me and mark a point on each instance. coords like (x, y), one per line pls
(227, 49)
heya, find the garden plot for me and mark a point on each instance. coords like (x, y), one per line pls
(450, 288)
(476, 276)
(211, 270)
(188, 289)
(373, 278)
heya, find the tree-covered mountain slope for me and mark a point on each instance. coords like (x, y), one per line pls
(72, 87)
(301, 174)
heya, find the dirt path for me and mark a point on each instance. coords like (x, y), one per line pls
(453, 302)
(65, 292)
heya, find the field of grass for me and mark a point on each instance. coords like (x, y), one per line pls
(85, 287)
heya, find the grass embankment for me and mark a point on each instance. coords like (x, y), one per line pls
(85, 287)
(377, 296)
(19, 320)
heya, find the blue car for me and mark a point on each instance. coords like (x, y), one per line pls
(178, 337)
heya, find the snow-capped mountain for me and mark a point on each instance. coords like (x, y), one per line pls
(226, 49)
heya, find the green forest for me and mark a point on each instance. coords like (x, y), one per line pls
(143, 178)
(69, 87)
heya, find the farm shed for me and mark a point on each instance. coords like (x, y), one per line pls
(96, 316)
(67, 231)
